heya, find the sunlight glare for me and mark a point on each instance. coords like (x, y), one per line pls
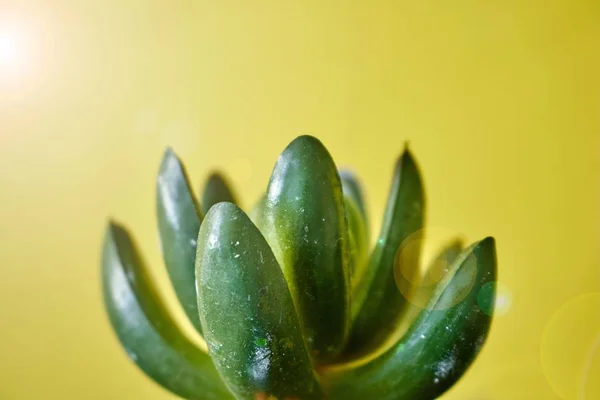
(13, 48)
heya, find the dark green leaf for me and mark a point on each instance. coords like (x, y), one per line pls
(145, 329)
(303, 221)
(378, 303)
(215, 191)
(440, 345)
(250, 324)
(179, 219)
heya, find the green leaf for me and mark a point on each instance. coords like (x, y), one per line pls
(359, 245)
(216, 190)
(351, 187)
(440, 345)
(434, 275)
(250, 324)
(303, 221)
(179, 219)
(378, 303)
(145, 329)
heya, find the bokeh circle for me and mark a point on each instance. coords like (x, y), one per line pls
(570, 349)
(410, 269)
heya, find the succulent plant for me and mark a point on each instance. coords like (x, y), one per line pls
(289, 301)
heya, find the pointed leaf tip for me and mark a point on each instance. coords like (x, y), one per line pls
(169, 151)
(216, 176)
(111, 224)
(378, 304)
(407, 157)
(489, 241)
(169, 159)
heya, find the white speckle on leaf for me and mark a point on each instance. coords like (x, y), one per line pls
(479, 343)
(261, 362)
(236, 256)
(132, 355)
(212, 241)
(214, 345)
(446, 365)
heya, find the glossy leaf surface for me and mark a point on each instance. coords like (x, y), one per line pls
(179, 219)
(145, 329)
(441, 343)
(378, 302)
(216, 190)
(251, 327)
(303, 221)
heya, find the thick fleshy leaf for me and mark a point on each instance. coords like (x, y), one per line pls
(440, 345)
(145, 329)
(250, 324)
(434, 276)
(378, 302)
(352, 188)
(216, 190)
(303, 221)
(179, 219)
(359, 245)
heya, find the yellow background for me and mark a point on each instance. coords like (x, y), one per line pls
(500, 101)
